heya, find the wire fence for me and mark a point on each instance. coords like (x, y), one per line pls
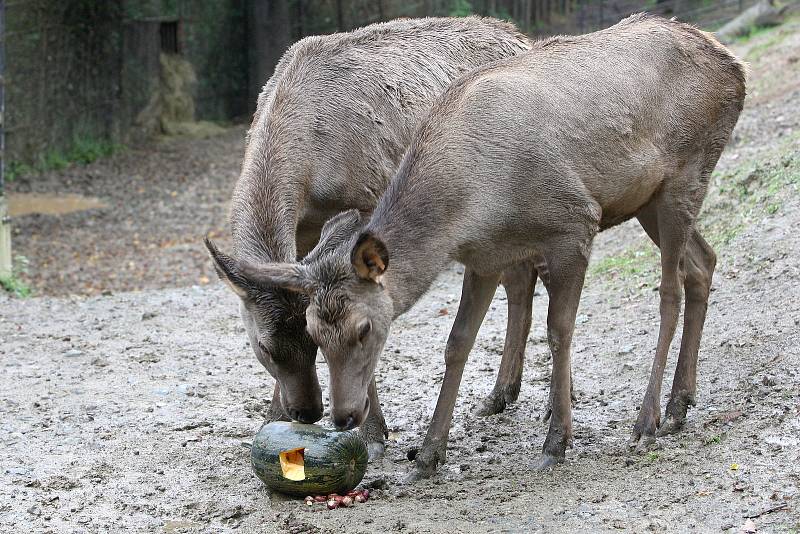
(82, 68)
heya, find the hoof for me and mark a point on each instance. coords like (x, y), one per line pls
(641, 443)
(417, 474)
(375, 450)
(546, 461)
(421, 471)
(491, 405)
(427, 460)
(671, 425)
(275, 413)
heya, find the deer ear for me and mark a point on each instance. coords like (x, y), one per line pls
(226, 269)
(370, 257)
(337, 230)
(247, 279)
(289, 276)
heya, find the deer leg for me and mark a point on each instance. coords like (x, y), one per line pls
(520, 283)
(670, 231)
(699, 267)
(373, 430)
(476, 295)
(275, 412)
(564, 284)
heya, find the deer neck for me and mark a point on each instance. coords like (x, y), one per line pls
(265, 214)
(418, 232)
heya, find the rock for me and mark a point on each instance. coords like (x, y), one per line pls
(760, 15)
(627, 366)
(378, 483)
(73, 353)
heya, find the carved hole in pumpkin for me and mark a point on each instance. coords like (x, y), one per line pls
(293, 464)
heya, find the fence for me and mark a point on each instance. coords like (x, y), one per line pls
(84, 69)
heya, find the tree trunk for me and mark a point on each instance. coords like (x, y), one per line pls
(339, 16)
(528, 15)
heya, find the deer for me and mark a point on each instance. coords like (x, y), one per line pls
(330, 128)
(526, 159)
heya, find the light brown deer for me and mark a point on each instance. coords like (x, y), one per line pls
(526, 159)
(330, 129)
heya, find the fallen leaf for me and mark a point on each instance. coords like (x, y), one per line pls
(734, 467)
(443, 311)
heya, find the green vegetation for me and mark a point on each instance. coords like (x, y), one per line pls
(776, 37)
(737, 198)
(635, 261)
(749, 192)
(712, 440)
(13, 283)
(84, 150)
(753, 31)
(461, 8)
(652, 457)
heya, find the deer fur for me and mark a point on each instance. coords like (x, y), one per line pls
(527, 159)
(331, 127)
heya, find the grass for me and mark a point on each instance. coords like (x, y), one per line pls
(636, 261)
(83, 151)
(13, 283)
(759, 49)
(739, 198)
(753, 31)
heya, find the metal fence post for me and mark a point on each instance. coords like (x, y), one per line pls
(5, 222)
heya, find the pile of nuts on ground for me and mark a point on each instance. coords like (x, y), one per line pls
(335, 500)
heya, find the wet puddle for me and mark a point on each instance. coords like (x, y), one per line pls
(20, 204)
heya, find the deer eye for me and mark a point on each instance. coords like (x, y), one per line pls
(364, 328)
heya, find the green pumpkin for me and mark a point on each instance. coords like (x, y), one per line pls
(300, 460)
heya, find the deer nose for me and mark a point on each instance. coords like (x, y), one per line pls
(345, 422)
(349, 420)
(307, 415)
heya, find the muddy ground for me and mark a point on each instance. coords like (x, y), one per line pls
(132, 411)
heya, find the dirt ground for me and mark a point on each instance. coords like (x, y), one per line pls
(132, 410)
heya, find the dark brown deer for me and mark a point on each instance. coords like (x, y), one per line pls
(526, 159)
(330, 129)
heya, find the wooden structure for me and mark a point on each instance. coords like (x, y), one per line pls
(5, 221)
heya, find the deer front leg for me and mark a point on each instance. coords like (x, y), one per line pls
(374, 430)
(476, 295)
(275, 412)
(520, 283)
(564, 283)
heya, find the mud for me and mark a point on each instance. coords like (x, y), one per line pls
(134, 411)
(20, 204)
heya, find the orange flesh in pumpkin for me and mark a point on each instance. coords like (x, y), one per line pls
(292, 464)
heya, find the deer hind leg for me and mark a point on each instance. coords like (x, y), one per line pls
(520, 283)
(476, 295)
(699, 267)
(669, 226)
(564, 284)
